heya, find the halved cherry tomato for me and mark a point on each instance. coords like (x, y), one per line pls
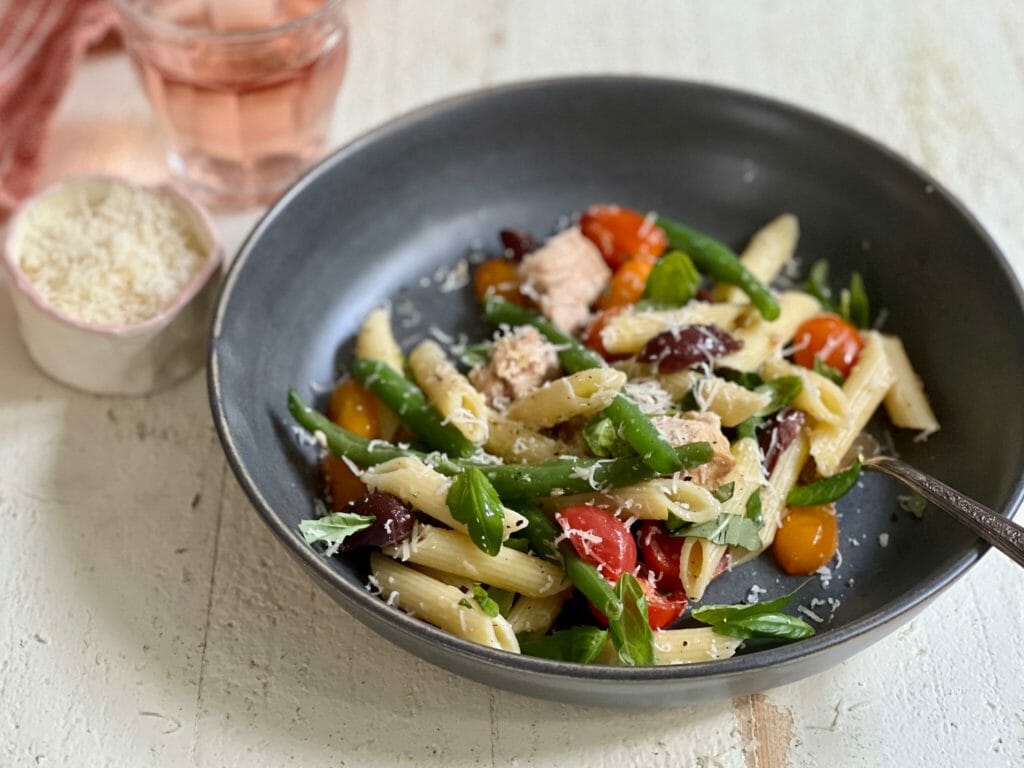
(806, 539)
(355, 408)
(662, 610)
(592, 336)
(660, 551)
(627, 284)
(498, 277)
(342, 484)
(830, 339)
(622, 234)
(600, 538)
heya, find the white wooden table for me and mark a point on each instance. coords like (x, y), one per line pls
(148, 618)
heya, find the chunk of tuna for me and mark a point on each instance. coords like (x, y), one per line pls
(696, 427)
(520, 362)
(564, 277)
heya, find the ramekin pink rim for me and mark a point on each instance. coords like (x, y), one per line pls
(214, 258)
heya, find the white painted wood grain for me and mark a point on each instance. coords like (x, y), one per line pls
(138, 628)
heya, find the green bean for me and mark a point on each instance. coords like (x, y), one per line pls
(408, 401)
(635, 428)
(511, 481)
(715, 259)
(591, 583)
(540, 531)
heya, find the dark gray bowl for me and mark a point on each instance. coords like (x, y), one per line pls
(386, 211)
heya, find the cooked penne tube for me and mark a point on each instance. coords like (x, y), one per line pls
(700, 558)
(773, 496)
(865, 388)
(628, 332)
(516, 442)
(425, 489)
(454, 553)
(764, 338)
(376, 342)
(450, 392)
(650, 500)
(579, 394)
(461, 582)
(688, 646)
(766, 254)
(440, 604)
(820, 398)
(905, 402)
(536, 614)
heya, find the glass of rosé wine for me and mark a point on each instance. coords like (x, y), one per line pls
(244, 89)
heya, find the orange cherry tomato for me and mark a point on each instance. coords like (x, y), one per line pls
(355, 409)
(622, 234)
(342, 484)
(830, 339)
(807, 539)
(498, 277)
(592, 335)
(627, 284)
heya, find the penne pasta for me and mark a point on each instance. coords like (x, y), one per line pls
(449, 391)
(515, 442)
(461, 582)
(650, 500)
(425, 489)
(536, 614)
(819, 398)
(905, 402)
(689, 646)
(440, 604)
(762, 338)
(865, 389)
(452, 552)
(628, 332)
(579, 394)
(766, 254)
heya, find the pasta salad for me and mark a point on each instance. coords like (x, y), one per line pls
(648, 413)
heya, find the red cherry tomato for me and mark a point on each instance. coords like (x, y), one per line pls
(592, 336)
(599, 538)
(660, 551)
(830, 339)
(662, 610)
(622, 234)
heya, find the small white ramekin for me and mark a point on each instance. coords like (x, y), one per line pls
(115, 359)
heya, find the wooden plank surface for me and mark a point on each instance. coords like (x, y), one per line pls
(147, 618)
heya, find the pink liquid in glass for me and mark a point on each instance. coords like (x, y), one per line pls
(244, 90)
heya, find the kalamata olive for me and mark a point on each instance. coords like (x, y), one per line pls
(777, 433)
(394, 523)
(518, 243)
(680, 348)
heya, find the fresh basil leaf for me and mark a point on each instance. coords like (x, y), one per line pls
(817, 284)
(334, 528)
(731, 530)
(580, 644)
(858, 306)
(825, 490)
(675, 522)
(503, 598)
(724, 492)
(473, 501)
(913, 503)
(484, 600)
(476, 354)
(746, 379)
(754, 508)
(631, 632)
(673, 281)
(716, 614)
(830, 373)
(689, 402)
(603, 439)
(749, 427)
(767, 625)
(782, 390)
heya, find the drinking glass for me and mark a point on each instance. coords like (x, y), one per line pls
(244, 89)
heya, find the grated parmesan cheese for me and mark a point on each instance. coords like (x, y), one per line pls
(119, 256)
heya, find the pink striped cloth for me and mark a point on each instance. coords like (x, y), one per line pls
(41, 43)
